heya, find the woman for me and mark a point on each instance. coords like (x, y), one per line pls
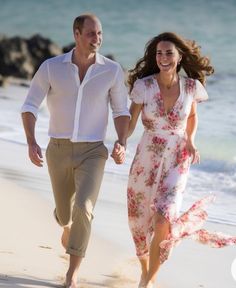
(158, 175)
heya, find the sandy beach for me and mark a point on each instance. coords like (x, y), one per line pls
(31, 254)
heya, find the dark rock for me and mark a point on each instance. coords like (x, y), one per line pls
(21, 57)
(41, 49)
(2, 36)
(110, 56)
(2, 81)
(15, 59)
(68, 48)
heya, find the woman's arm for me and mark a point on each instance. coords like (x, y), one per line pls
(191, 130)
(134, 110)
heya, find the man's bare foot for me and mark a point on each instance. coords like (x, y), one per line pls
(70, 283)
(65, 236)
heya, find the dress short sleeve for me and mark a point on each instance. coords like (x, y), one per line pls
(138, 92)
(200, 94)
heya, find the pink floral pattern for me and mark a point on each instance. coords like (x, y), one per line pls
(135, 203)
(159, 171)
(190, 85)
(149, 124)
(189, 226)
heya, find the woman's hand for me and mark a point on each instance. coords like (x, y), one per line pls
(193, 152)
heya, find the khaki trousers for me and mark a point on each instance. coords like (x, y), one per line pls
(76, 171)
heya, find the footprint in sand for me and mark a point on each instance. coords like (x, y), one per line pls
(45, 247)
(6, 252)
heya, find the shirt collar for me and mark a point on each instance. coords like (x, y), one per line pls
(68, 58)
(99, 59)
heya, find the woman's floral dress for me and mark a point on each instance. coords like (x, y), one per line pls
(160, 169)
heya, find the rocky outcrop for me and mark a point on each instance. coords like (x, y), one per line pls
(15, 59)
(41, 49)
(20, 57)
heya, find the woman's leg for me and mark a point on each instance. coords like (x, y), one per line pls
(144, 262)
(161, 231)
(139, 225)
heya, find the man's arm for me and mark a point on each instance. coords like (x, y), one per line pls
(122, 127)
(35, 153)
(118, 101)
(39, 88)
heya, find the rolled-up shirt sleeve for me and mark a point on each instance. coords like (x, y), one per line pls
(119, 95)
(38, 90)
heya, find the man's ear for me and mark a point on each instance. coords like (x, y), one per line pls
(77, 32)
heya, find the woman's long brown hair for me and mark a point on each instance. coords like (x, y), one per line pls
(193, 63)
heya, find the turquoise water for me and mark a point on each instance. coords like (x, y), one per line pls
(128, 24)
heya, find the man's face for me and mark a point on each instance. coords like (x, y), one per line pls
(90, 38)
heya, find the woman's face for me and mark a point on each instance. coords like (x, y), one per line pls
(167, 57)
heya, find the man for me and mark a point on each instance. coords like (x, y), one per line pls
(79, 85)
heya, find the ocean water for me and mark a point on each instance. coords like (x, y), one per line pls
(127, 26)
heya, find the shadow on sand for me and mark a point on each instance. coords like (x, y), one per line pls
(20, 282)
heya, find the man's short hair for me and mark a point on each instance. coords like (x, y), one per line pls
(79, 21)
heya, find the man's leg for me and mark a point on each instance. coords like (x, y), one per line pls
(59, 154)
(60, 167)
(88, 176)
(65, 236)
(71, 275)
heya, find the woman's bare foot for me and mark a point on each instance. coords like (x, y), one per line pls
(65, 236)
(142, 282)
(149, 285)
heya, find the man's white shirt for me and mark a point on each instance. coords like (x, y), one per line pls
(78, 111)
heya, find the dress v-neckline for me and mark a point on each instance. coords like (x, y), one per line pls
(162, 100)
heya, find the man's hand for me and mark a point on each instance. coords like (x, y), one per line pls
(118, 153)
(35, 154)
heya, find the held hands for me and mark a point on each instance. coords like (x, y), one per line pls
(118, 153)
(35, 154)
(193, 152)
